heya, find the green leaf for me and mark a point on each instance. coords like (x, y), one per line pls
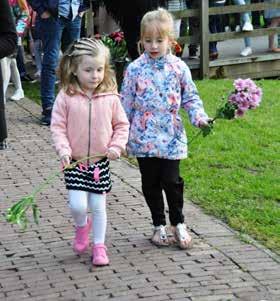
(35, 211)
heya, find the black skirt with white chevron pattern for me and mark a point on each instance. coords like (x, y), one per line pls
(94, 177)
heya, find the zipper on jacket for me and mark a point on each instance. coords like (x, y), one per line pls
(89, 129)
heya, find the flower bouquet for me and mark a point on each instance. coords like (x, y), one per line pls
(246, 96)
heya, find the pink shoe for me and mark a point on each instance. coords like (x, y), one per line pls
(99, 256)
(81, 241)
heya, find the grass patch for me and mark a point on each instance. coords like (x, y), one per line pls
(234, 174)
(32, 91)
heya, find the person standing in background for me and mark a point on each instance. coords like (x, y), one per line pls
(246, 25)
(56, 18)
(272, 16)
(20, 13)
(8, 42)
(128, 15)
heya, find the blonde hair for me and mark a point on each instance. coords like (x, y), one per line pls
(72, 58)
(161, 20)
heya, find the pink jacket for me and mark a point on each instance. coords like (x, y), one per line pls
(83, 127)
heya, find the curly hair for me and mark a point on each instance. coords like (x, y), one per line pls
(73, 57)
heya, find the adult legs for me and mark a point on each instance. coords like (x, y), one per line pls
(3, 125)
(6, 74)
(38, 55)
(71, 32)
(215, 26)
(275, 22)
(256, 15)
(131, 29)
(20, 61)
(245, 17)
(19, 94)
(246, 26)
(193, 28)
(51, 30)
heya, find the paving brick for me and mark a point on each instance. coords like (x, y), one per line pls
(42, 264)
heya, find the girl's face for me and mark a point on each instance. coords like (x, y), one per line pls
(155, 44)
(90, 72)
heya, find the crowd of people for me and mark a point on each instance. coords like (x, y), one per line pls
(92, 124)
(48, 28)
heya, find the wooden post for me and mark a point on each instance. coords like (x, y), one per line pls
(204, 39)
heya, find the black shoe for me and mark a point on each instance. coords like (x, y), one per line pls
(27, 78)
(213, 56)
(3, 144)
(192, 51)
(46, 120)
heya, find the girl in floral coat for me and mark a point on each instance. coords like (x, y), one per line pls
(155, 87)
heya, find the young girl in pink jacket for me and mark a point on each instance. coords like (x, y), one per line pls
(88, 121)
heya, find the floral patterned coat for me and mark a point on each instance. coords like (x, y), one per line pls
(152, 92)
(21, 15)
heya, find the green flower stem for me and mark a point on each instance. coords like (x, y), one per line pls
(17, 212)
(57, 173)
(195, 137)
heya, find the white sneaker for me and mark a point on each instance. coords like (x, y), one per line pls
(227, 29)
(246, 51)
(37, 74)
(237, 28)
(18, 95)
(247, 26)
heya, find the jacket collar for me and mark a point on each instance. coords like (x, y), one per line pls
(158, 63)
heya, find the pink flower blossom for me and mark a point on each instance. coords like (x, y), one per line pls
(247, 95)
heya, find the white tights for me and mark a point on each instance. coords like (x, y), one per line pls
(79, 201)
(10, 69)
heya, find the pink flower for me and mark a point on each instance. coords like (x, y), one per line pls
(118, 39)
(246, 96)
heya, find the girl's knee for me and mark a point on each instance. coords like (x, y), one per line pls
(78, 208)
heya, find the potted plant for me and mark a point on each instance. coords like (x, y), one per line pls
(116, 43)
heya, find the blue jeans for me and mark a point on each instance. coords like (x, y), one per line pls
(215, 26)
(51, 30)
(245, 17)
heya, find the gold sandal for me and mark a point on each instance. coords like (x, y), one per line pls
(159, 237)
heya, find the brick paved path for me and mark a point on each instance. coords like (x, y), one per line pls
(40, 265)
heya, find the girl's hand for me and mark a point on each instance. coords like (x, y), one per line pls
(65, 161)
(206, 126)
(112, 155)
(203, 123)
